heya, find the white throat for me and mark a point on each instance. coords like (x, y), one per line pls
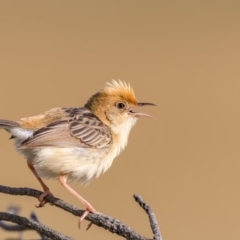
(122, 132)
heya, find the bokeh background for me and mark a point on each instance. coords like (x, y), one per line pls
(182, 55)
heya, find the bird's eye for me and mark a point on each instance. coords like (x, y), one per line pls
(121, 105)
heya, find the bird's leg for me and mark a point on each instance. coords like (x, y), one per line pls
(89, 208)
(46, 190)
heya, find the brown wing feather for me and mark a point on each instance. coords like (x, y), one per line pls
(82, 130)
(90, 130)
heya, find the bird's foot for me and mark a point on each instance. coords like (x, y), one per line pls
(41, 199)
(88, 210)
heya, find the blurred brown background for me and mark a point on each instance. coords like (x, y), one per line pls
(182, 55)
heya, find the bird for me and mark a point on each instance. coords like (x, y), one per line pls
(77, 143)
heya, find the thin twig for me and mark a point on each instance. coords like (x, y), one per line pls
(39, 227)
(11, 227)
(152, 218)
(111, 224)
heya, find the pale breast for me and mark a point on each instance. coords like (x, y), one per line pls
(81, 164)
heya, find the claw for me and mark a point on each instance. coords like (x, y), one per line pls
(41, 199)
(82, 218)
(86, 212)
(89, 225)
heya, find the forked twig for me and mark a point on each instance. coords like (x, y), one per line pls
(152, 218)
(39, 227)
(111, 224)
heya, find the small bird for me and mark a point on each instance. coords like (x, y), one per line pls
(77, 144)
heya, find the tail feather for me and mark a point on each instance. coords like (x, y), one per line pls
(8, 124)
(15, 129)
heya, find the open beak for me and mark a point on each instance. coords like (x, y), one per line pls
(139, 114)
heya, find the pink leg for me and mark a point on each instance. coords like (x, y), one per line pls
(89, 208)
(46, 190)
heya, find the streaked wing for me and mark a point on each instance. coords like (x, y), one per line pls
(81, 130)
(90, 130)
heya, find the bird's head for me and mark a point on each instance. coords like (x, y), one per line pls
(115, 105)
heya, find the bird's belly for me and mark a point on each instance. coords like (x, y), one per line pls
(80, 164)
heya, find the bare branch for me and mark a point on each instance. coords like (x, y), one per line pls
(152, 218)
(12, 227)
(101, 220)
(39, 227)
(34, 217)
